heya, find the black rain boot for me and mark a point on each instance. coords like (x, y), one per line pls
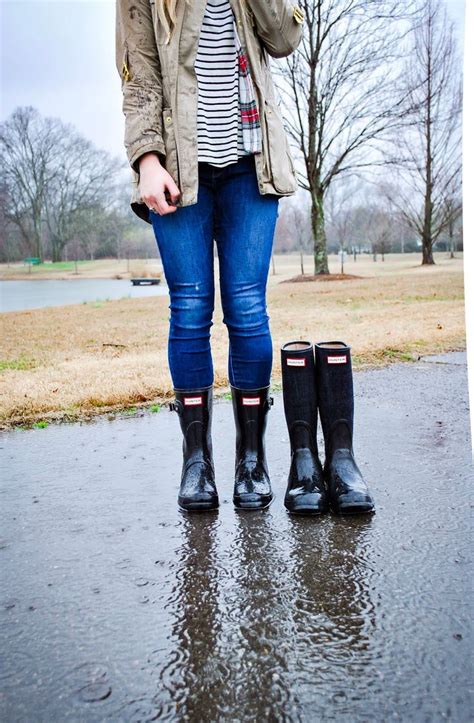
(198, 488)
(348, 491)
(252, 487)
(306, 490)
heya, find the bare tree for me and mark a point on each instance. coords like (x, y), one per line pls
(453, 212)
(28, 148)
(428, 153)
(85, 182)
(296, 216)
(340, 216)
(380, 230)
(341, 80)
(50, 173)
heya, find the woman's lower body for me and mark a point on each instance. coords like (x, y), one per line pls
(231, 211)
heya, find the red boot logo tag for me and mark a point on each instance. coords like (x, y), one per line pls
(299, 362)
(342, 359)
(250, 401)
(192, 401)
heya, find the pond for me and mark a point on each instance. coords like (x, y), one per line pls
(21, 295)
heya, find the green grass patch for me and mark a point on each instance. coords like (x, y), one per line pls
(20, 364)
(398, 354)
(130, 410)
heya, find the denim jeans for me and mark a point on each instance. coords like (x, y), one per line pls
(231, 211)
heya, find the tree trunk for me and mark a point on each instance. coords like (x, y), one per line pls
(319, 234)
(37, 237)
(426, 235)
(427, 248)
(56, 250)
(451, 238)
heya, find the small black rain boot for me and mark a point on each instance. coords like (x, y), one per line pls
(306, 490)
(348, 491)
(198, 488)
(252, 487)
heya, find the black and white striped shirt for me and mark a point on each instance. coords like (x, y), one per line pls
(219, 124)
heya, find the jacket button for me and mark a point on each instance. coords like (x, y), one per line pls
(168, 119)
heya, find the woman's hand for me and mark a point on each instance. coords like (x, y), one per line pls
(154, 179)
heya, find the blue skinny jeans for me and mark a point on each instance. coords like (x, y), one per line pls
(231, 211)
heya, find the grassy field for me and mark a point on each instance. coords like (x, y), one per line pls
(74, 362)
(101, 269)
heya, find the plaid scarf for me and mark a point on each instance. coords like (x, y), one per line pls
(252, 137)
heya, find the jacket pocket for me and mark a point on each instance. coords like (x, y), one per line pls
(279, 158)
(169, 140)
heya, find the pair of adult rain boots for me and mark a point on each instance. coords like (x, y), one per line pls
(252, 488)
(320, 379)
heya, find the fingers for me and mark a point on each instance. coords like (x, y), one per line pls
(164, 202)
(175, 193)
(160, 204)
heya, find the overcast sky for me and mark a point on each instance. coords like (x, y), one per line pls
(58, 56)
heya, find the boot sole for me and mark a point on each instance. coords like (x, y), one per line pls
(251, 504)
(307, 511)
(198, 506)
(354, 511)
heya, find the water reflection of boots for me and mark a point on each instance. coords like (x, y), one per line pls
(193, 674)
(333, 612)
(348, 490)
(257, 605)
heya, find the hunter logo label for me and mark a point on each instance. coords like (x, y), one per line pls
(192, 401)
(342, 359)
(299, 362)
(250, 401)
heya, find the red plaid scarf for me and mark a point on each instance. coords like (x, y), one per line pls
(252, 137)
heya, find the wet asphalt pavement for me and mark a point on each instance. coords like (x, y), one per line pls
(117, 606)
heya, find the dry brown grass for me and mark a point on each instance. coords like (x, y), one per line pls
(75, 361)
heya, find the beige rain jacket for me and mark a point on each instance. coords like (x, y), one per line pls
(160, 92)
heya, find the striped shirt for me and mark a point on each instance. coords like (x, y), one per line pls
(219, 123)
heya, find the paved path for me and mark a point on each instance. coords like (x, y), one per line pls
(116, 606)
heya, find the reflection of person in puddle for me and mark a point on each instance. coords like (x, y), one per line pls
(261, 617)
(230, 639)
(202, 125)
